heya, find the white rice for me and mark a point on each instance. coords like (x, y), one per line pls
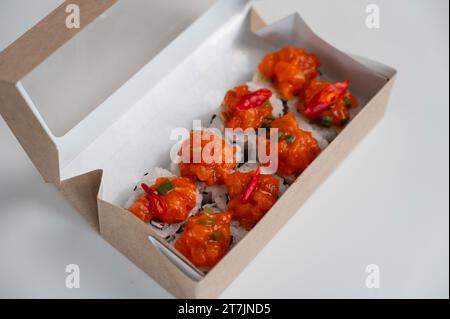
(283, 185)
(217, 122)
(148, 179)
(215, 196)
(277, 103)
(261, 80)
(174, 168)
(167, 231)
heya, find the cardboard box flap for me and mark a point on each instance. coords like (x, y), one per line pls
(19, 60)
(69, 78)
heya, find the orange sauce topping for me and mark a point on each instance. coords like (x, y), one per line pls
(205, 239)
(296, 148)
(290, 69)
(180, 195)
(262, 198)
(250, 118)
(209, 161)
(337, 114)
(141, 209)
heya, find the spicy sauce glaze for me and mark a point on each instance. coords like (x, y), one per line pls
(290, 70)
(179, 196)
(209, 161)
(336, 114)
(296, 148)
(205, 238)
(252, 117)
(260, 201)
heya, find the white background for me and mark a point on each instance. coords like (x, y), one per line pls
(387, 203)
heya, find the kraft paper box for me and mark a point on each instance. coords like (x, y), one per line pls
(92, 129)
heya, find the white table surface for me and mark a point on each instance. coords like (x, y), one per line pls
(387, 203)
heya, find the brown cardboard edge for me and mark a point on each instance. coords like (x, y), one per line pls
(29, 132)
(256, 21)
(129, 235)
(82, 191)
(48, 35)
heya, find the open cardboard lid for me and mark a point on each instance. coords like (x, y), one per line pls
(18, 63)
(57, 84)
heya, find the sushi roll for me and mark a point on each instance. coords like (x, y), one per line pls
(237, 231)
(323, 135)
(207, 157)
(278, 105)
(252, 194)
(248, 106)
(289, 70)
(327, 104)
(296, 148)
(282, 182)
(205, 239)
(164, 201)
(149, 179)
(245, 109)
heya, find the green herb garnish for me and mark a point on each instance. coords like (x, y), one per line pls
(289, 138)
(348, 102)
(207, 210)
(281, 134)
(207, 221)
(165, 187)
(326, 121)
(267, 103)
(216, 236)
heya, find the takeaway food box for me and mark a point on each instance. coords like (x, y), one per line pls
(105, 140)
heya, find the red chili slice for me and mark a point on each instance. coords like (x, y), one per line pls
(252, 185)
(158, 204)
(253, 99)
(327, 97)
